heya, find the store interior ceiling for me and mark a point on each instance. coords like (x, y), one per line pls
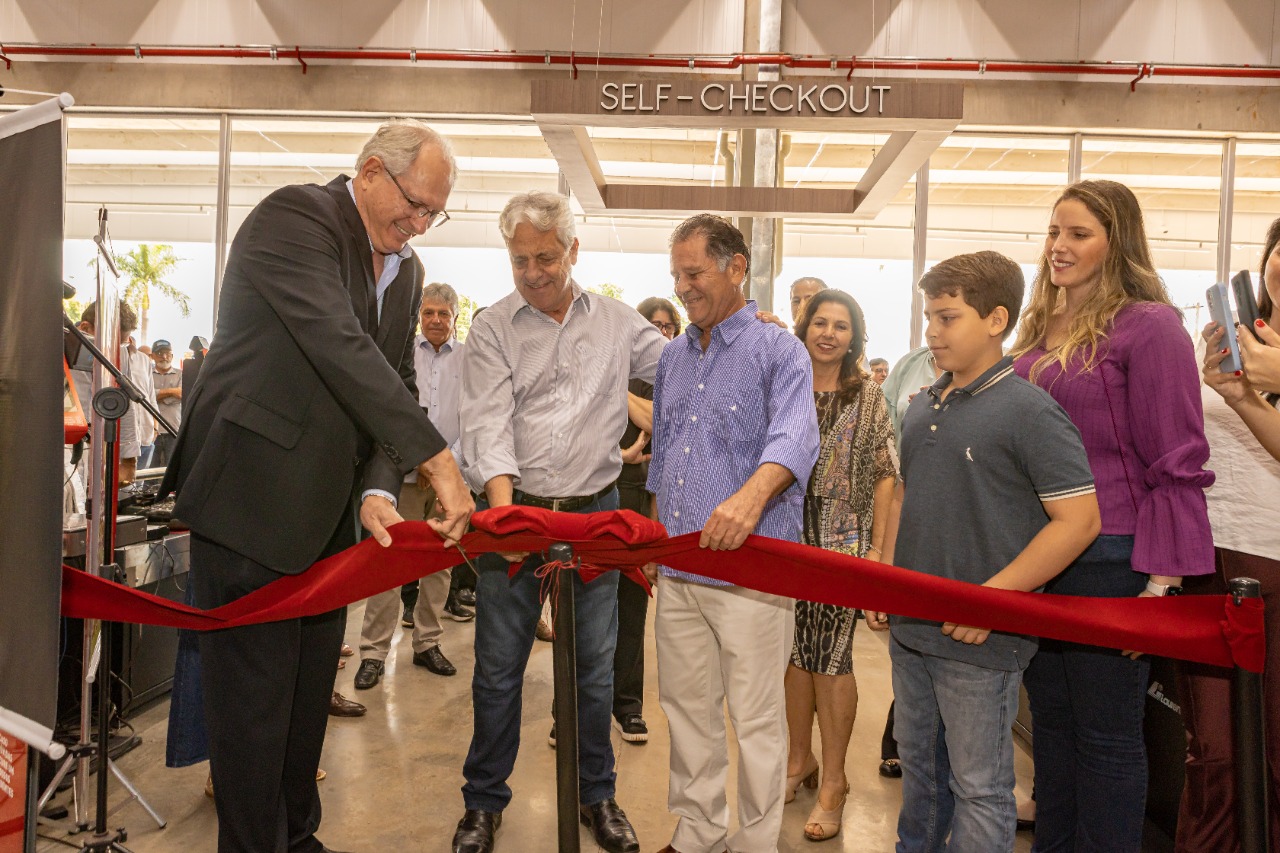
(987, 186)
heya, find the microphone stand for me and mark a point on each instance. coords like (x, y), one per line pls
(111, 404)
(126, 384)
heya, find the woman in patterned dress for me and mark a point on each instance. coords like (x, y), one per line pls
(846, 510)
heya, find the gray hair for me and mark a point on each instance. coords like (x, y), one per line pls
(544, 211)
(723, 239)
(438, 291)
(398, 143)
(809, 279)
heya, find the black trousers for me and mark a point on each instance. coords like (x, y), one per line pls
(266, 703)
(633, 611)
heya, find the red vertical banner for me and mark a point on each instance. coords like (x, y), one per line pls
(13, 793)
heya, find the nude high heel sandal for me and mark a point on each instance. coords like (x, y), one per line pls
(824, 824)
(808, 778)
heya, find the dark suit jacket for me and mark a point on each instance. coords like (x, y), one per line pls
(305, 398)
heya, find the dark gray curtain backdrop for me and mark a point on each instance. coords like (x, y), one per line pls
(30, 419)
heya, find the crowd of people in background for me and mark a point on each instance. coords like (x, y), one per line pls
(1082, 445)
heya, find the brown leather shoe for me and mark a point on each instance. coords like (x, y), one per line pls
(341, 706)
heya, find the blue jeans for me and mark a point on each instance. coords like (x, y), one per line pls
(188, 737)
(952, 723)
(1087, 707)
(507, 612)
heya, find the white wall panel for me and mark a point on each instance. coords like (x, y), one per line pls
(659, 26)
(1169, 31)
(1238, 32)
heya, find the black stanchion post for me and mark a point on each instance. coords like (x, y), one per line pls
(1250, 748)
(565, 658)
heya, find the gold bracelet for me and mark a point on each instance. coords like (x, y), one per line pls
(874, 548)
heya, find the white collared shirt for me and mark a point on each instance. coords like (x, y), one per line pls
(546, 402)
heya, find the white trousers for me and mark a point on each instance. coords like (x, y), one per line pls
(718, 643)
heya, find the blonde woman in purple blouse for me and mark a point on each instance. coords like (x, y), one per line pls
(1101, 336)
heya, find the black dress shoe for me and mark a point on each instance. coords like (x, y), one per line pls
(609, 826)
(891, 769)
(475, 832)
(369, 673)
(434, 660)
(467, 597)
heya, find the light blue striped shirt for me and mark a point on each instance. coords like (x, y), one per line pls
(720, 415)
(546, 402)
(439, 388)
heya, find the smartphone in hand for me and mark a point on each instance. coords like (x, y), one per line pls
(1220, 311)
(1246, 303)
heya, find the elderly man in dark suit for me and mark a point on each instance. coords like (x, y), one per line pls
(300, 429)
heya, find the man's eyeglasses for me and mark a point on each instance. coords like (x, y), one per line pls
(665, 328)
(435, 218)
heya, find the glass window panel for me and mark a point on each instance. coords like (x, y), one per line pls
(1257, 188)
(157, 178)
(994, 192)
(1178, 185)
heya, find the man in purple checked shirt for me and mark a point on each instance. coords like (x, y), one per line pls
(735, 438)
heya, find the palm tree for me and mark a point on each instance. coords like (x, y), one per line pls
(146, 269)
(466, 310)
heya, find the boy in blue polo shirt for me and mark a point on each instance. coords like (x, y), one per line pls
(996, 490)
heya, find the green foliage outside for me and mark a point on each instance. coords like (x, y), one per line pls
(466, 310)
(607, 289)
(146, 270)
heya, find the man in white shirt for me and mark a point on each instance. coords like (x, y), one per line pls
(437, 361)
(544, 404)
(140, 369)
(167, 380)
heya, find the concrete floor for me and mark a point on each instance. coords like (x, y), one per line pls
(394, 775)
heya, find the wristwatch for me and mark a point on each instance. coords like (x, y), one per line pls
(1160, 589)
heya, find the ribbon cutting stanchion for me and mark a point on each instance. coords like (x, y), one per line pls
(1223, 631)
(1249, 742)
(564, 650)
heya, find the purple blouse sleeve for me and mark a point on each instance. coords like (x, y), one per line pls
(1172, 535)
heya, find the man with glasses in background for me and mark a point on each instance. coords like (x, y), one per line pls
(300, 428)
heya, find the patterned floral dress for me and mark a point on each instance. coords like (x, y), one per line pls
(857, 450)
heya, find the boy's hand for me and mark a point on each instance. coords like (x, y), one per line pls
(966, 633)
(877, 621)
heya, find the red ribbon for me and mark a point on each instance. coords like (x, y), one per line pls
(1206, 629)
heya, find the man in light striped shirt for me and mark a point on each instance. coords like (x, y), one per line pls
(735, 439)
(544, 404)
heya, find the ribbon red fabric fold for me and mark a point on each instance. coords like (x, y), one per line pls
(1206, 629)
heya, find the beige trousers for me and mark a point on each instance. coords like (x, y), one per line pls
(718, 643)
(382, 611)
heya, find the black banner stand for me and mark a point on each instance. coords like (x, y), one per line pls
(565, 678)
